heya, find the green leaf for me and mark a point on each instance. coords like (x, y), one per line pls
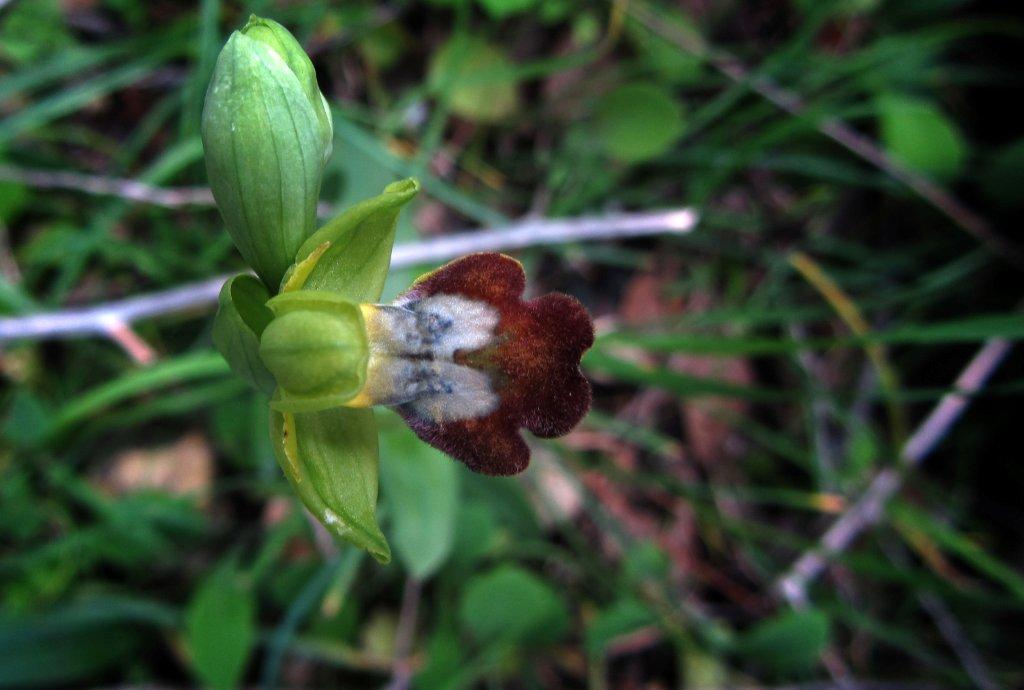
(789, 643)
(602, 360)
(672, 64)
(919, 135)
(13, 199)
(72, 644)
(26, 420)
(500, 9)
(963, 548)
(266, 143)
(421, 485)
(242, 315)
(355, 263)
(476, 535)
(621, 618)
(475, 78)
(445, 660)
(32, 30)
(330, 458)
(645, 562)
(220, 625)
(509, 604)
(637, 122)
(384, 46)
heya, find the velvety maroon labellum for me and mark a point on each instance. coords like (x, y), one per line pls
(532, 360)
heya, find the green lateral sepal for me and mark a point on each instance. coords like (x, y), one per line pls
(330, 458)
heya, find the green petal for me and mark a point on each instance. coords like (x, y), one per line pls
(241, 318)
(330, 458)
(356, 261)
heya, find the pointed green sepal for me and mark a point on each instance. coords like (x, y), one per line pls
(359, 242)
(266, 138)
(242, 315)
(330, 459)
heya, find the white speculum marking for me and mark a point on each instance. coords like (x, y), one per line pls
(413, 345)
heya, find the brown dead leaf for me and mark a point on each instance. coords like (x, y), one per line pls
(706, 420)
(555, 497)
(707, 423)
(184, 468)
(646, 300)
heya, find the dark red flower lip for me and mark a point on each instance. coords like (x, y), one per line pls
(529, 352)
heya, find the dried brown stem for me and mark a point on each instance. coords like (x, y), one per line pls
(868, 509)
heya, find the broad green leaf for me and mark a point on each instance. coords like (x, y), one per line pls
(473, 76)
(330, 458)
(266, 143)
(510, 604)
(445, 660)
(421, 485)
(920, 136)
(355, 263)
(476, 534)
(672, 64)
(220, 625)
(637, 122)
(242, 315)
(384, 46)
(508, 503)
(789, 643)
(31, 30)
(621, 618)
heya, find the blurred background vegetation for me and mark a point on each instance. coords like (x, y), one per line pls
(147, 536)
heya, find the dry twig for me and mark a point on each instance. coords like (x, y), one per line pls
(402, 667)
(868, 509)
(123, 188)
(96, 320)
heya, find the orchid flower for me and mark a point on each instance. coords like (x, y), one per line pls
(461, 355)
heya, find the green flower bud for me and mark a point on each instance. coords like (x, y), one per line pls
(316, 348)
(278, 39)
(266, 134)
